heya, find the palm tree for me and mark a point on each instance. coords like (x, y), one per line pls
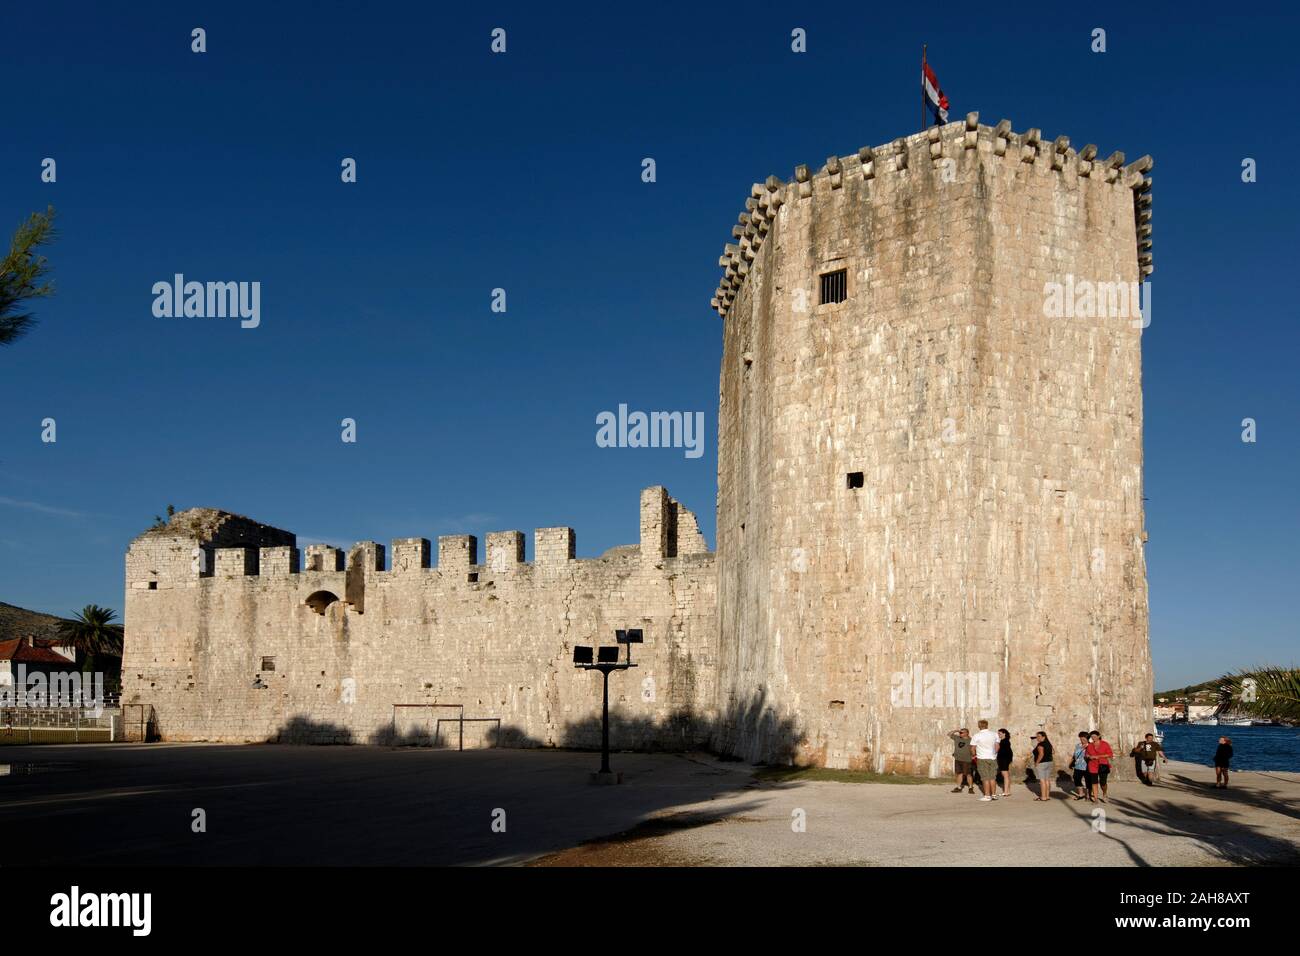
(1270, 693)
(92, 632)
(21, 275)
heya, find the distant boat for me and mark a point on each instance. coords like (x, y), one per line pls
(1205, 721)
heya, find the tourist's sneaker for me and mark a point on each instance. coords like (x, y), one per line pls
(957, 789)
(986, 799)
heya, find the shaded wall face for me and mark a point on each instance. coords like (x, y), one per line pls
(243, 657)
(997, 449)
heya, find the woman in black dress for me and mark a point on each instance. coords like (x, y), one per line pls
(1222, 757)
(1004, 760)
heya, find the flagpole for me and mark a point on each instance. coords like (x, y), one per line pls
(922, 87)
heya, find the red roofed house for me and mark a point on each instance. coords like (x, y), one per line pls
(33, 655)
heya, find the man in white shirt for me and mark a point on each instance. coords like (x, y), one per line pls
(985, 744)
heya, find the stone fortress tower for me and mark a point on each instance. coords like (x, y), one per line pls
(929, 510)
(929, 492)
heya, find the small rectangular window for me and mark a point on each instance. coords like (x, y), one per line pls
(835, 286)
(268, 663)
(855, 479)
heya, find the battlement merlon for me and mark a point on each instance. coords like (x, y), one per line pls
(209, 543)
(324, 557)
(505, 550)
(410, 554)
(932, 146)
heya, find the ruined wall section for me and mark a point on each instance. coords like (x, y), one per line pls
(323, 653)
(940, 382)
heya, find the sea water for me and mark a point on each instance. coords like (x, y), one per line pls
(1253, 748)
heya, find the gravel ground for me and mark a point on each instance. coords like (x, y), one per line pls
(1181, 821)
(273, 805)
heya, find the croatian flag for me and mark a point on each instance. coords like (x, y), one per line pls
(938, 103)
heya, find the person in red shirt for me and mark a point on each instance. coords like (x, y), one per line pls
(1098, 756)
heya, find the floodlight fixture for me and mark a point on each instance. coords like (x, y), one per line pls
(607, 662)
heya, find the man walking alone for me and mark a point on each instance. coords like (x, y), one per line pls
(1146, 752)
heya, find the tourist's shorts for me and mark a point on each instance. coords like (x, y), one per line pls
(1148, 767)
(988, 770)
(1099, 776)
(1080, 777)
(1043, 771)
(963, 766)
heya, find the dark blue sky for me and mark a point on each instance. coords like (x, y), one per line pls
(522, 171)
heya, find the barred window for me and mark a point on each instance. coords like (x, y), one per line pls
(835, 286)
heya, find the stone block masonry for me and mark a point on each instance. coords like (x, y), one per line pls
(929, 510)
(256, 649)
(920, 468)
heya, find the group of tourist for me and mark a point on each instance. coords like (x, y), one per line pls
(984, 760)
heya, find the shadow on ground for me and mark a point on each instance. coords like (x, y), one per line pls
(360, 805)
(1220, 832)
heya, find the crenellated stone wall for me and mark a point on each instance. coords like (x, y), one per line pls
(256, 649)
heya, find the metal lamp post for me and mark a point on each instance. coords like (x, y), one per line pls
(606, 661)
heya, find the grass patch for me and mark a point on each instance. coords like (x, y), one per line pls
(791, 774)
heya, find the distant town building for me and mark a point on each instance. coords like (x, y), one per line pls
(25, 656)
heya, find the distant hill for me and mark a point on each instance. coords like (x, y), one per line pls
(1206, 692)
(20, 622)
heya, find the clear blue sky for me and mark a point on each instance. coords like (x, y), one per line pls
(522, 171)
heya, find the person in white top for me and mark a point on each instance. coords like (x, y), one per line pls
(985, 744)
